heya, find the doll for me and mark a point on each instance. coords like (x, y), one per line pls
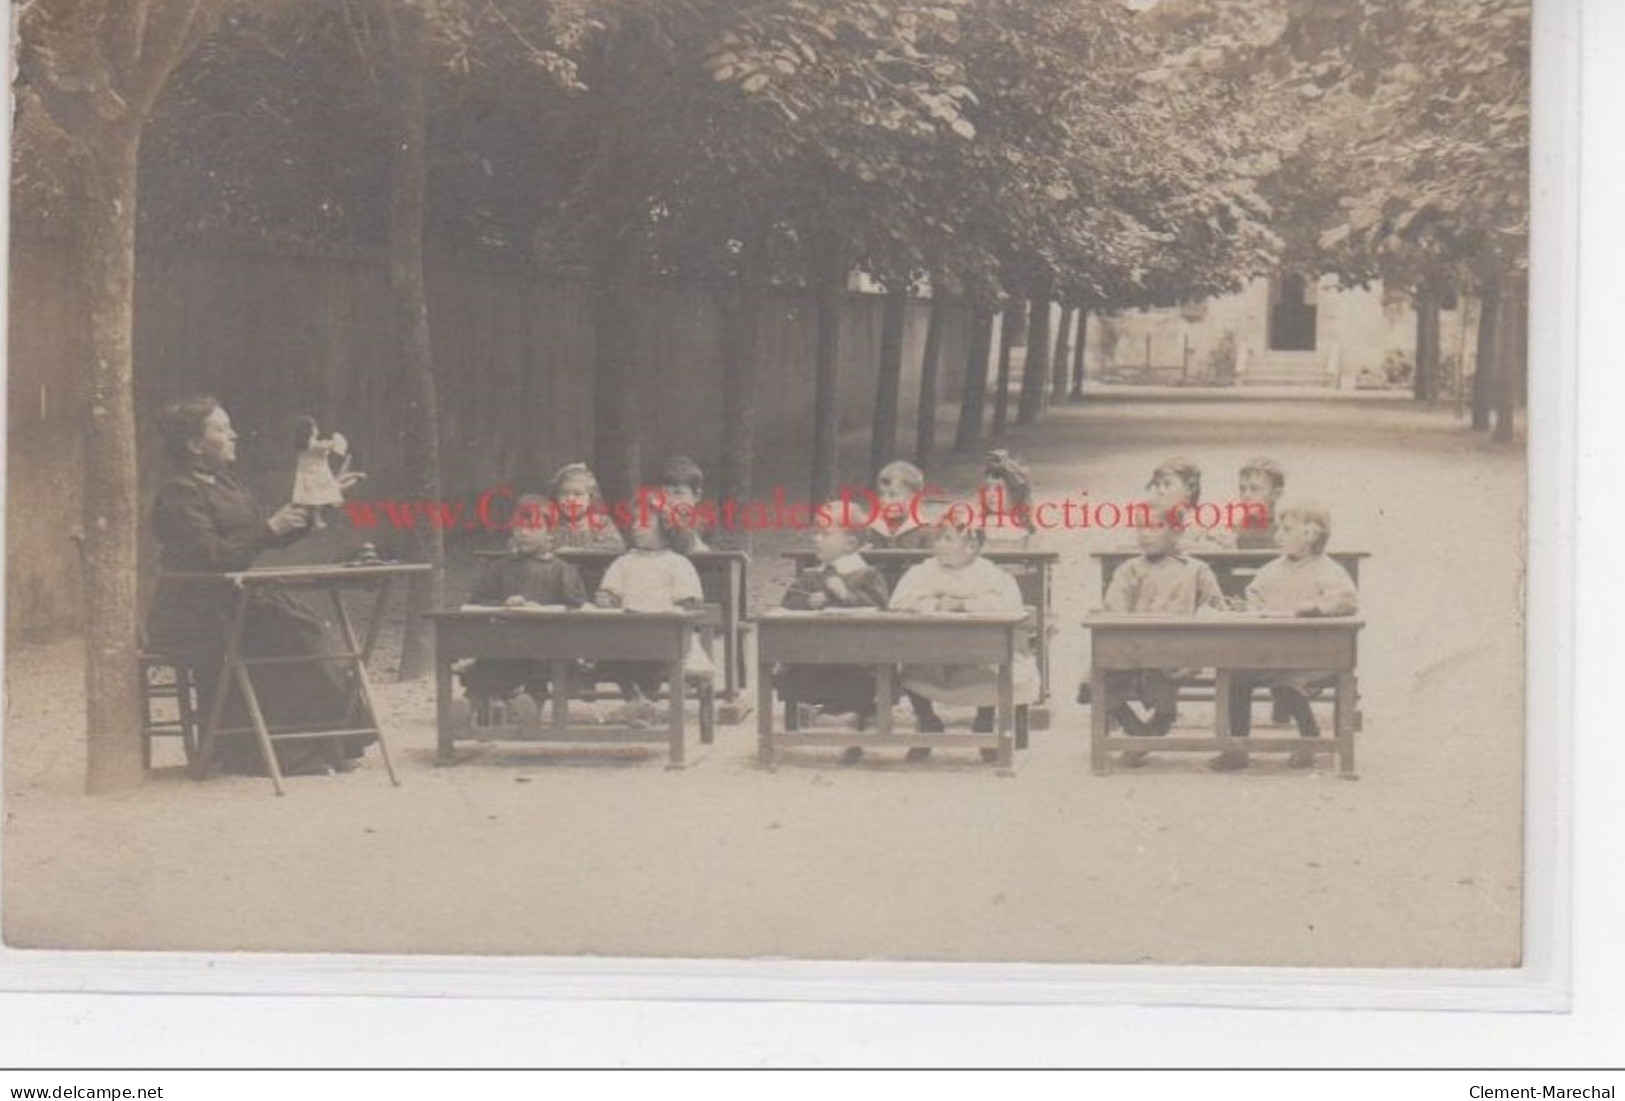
(316, 485)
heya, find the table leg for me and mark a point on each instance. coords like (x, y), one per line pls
(1224, 687)
(1007, 705)
(261, 732)
(1343, 722)
(222, 688)
(885, 677)
(559, 684)
(730, 641)
(1097, 720)
(445, 736)
(743, 566)
(764, 716)
(1043, 633)
(675, 694)
(363, 688)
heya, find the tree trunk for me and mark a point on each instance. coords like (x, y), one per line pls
(1426, 382)
(829, 275)
(1489, 322)
(1078, 353)
(741, 314)
(888, 382)
(1036, 372)
(617, 406)
(1008, 328)
(974, 399)
(1513, 342)
(108, 539)
(97, 72)
(925, 432)
(408, 174)
(1061, 360)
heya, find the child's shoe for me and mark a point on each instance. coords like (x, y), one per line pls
(918, 753)
(1228, 761)
(852, 755)
(1302, 757)
(1133, 758)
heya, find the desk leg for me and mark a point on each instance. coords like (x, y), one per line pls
(1224, 687)
(743, 590)
(559, 684)
(222, 688)
(1043, 634)
(885, 689)
(1007, 707)
(445, 736)
(363, 688)
(1097, 720)
(262, 733)
(1343, 722)
(675, 694)
(764, 716)
(732, 677)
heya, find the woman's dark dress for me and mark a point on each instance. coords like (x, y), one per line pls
(210, 523)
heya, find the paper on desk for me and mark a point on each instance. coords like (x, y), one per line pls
(520, 608)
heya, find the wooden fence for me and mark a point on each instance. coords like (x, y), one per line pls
(275, 335)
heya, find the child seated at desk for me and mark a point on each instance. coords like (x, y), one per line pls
(897, 524)
(1161, 581)
(842, 579)
(530, 573)
(682, 488)
(1304, 582)
(957, 579)
(1261, 483)
(1176, 487)
(584, 522)
(654, 576)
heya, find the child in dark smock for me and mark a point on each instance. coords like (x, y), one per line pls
(842, 579)
(1302, 582)
(531, 573)
(1161, 581)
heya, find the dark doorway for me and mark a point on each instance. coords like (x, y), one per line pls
(1292, 315)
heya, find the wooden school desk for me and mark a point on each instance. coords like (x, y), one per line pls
(1224, 642)
(884, 640)
(1234, 569)
(561, 638)
(361, 717)
(1033, 571)
(722, 579)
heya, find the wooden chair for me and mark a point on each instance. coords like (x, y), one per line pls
(169, 677)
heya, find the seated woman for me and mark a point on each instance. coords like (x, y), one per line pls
(205, 520)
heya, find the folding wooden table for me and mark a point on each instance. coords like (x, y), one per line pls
(361, 717)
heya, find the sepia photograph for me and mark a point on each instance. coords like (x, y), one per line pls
(921, 481)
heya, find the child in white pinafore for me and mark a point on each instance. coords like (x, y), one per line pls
(1304, 581)
(957, 579)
